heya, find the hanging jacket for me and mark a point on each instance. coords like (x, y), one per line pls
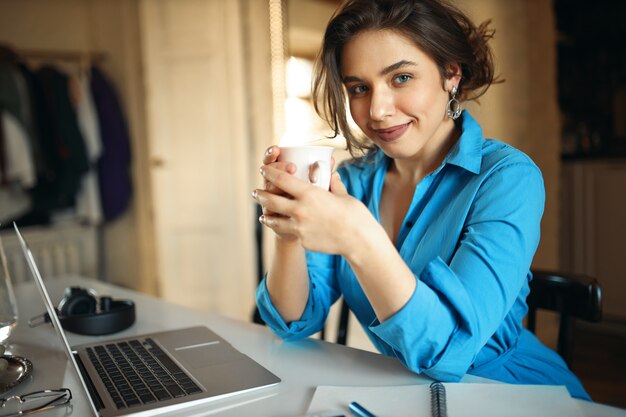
(114, 165)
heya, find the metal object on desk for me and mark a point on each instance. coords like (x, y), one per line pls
(8, 305)
(17, 371)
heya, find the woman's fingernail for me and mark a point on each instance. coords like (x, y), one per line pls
(254, 194)
(262, 171)
(262, 219)
(269, 151)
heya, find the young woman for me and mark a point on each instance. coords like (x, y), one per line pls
(429, 235)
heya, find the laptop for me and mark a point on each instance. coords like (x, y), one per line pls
(155, 373)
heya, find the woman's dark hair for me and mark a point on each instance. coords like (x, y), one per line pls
(439, 29)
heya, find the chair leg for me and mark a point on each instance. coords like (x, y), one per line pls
(256, 316)
(342, 331)
(564, 343)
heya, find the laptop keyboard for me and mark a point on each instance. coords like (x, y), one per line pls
(137, 373)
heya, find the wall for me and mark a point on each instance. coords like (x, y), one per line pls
(306, 20)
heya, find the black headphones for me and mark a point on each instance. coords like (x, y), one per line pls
(81, 312)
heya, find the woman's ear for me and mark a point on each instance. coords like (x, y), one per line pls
(454, 75)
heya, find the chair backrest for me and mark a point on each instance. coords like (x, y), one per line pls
(571, 295)
(65, 249)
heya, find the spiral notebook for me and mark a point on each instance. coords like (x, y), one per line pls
(449, 400)
(438, 402)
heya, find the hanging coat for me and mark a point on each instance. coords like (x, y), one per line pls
(114, 165)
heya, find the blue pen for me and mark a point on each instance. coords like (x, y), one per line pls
(359, 410)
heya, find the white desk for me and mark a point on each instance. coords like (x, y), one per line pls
(301, 365)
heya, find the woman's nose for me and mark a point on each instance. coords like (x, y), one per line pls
(381, 104)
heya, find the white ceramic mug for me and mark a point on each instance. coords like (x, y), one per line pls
(304, 157)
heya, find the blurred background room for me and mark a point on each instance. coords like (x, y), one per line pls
(160, 111)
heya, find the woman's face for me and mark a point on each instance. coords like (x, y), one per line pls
(396, 94)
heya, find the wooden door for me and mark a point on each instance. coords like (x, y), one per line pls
(593, 225)
(197, 127)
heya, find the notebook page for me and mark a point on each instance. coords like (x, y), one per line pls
(463, 400)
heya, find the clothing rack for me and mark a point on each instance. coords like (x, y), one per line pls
(61, 55)
(84, 58)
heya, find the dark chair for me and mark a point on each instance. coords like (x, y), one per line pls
(573, 296)
(260, 270)
(342, 328)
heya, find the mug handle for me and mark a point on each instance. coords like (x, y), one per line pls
(323, 178)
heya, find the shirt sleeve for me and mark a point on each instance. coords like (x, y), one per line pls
(323, 292)
(457, 306)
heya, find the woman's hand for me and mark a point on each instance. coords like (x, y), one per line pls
(271, 158)
(320, 219)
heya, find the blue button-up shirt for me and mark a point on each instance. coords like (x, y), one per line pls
(469, 237)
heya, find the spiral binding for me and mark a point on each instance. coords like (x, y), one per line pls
(438, 400)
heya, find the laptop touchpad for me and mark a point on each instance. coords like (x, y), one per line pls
(199, 356)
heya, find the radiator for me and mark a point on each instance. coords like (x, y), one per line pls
(59, 250)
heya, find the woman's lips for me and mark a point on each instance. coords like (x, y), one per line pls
(392, 133)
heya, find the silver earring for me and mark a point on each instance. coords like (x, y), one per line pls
(454, 107)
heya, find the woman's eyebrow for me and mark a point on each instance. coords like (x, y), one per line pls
(351, 79)
(384, 71)
(397, 65)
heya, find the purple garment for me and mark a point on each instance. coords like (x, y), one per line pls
(114, 164)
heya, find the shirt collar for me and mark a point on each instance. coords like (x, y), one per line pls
(467, 151)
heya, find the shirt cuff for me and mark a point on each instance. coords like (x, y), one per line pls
(292, 331)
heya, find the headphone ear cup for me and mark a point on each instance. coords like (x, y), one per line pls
(77, 301)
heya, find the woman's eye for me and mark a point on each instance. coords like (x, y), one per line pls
(357, 89)
(403, 78)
